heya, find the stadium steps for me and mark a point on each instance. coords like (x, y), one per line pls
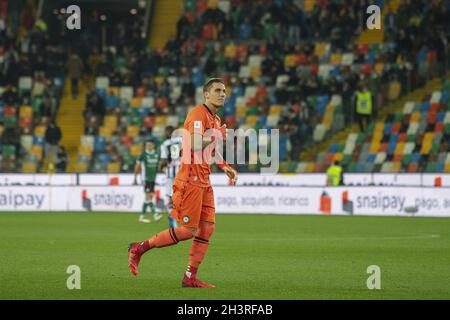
(164, 20)
(396, 106)
(394, 4)
(377, 36)
(70, 120)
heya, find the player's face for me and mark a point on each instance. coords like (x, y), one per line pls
(216, 94)
(149, 146)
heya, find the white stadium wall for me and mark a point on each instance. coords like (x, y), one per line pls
(308, 179)
(254, 194)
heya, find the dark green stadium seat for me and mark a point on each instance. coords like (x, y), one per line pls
(352, 167)
(163, 71)
(36, 104)
(10, 121)
(398, 117)
(431, 167)
(435, 148)
(252, 111)
(446, 86)
(447, 128)
(190, 5)
(406, 159)
(374, 48)
(360, 138)
(311, 101)
(136, 120)
(119, 62)
(132, 112)
(346, 159)
(292, 166)
(8, 150)
(221, 112)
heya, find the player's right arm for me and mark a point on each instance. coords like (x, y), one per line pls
(163, 157)
(199, 142)
(137, 169)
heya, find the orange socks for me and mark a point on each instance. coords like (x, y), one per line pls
(169, 237)
(172, 236)
(200, 244)
(198, 250)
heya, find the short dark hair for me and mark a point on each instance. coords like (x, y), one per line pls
(210, 82)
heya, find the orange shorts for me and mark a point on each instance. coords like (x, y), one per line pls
(192, 204)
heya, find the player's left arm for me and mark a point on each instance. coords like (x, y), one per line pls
(229, 170)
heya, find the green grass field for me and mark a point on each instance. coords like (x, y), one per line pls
(250, 257)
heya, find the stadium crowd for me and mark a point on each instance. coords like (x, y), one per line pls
(296, 49)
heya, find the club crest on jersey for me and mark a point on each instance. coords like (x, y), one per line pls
(185, 219)
(197, 124)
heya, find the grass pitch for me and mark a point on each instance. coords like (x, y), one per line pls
(250, 257)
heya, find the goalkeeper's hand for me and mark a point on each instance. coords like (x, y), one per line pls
(231, 174)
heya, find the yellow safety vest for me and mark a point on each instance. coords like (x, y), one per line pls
(364, 102)
(334, 175)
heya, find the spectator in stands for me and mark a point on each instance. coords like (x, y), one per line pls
(92, 125)
(364, 103)
(295, 21)
(52, 137)
(9, 66)
(95, 106)
(46, 108)
(11, 136)
(183, 25)
(61, 162)
(104, 67)
(74, 70)
(9, 96)
(335, 175)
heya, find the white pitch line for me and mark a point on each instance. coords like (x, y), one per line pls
(424, 236)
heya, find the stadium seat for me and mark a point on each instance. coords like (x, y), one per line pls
(29, 167)
(126, 93)
(102, 82)
(380, 158)
(81, 167)
(245, 72)
(25, 84)
(319, 133)
(386, 167)
(39, 131)
(36, 150)
(133, 131)
(447, 168)
(26, 122)
(25, 111)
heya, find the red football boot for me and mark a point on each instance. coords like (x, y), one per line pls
(134, 257)
(195, 283)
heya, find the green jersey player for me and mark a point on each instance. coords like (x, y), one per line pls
(147, 165)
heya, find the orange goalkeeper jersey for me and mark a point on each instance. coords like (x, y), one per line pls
(198, 121)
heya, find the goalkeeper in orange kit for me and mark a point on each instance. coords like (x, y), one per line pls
(193, 197)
